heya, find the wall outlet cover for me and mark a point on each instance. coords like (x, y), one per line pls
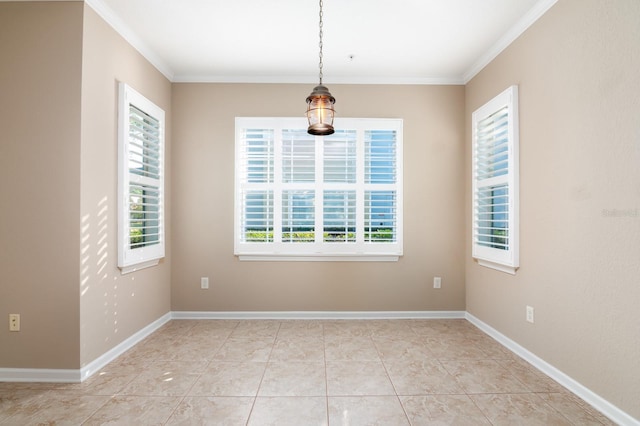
(530, 314)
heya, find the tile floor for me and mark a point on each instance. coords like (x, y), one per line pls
(306, 372)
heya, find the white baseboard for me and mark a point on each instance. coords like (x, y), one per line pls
(124, 346)
(319, 315)
(596, 401)
(74, 376)
(39, 375)
(79, 375)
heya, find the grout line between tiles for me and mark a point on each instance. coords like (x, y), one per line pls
(512, 370)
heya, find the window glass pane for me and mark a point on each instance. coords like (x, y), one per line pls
(298, 216)
(340, 157)
(339, 216)
(492, 217)
(257, 162)
(380, 156)
(144, 216)
(380, 218)
(298, 156)
(144, 144)
(257, 216)
(492, 147)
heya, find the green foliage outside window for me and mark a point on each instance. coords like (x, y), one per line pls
(304, 237)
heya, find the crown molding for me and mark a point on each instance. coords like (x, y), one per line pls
(106, 13)
(313, 79)
(509, 37)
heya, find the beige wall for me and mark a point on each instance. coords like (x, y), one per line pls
(577, 71)
(40, 70)
(203, 166)
(58, 164)
(113, 306)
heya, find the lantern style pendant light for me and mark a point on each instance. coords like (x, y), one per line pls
(320, 110)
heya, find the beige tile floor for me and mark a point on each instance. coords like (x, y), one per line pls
(306, 372)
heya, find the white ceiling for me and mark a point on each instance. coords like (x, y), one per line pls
(390, 41)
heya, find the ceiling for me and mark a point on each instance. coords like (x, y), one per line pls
(365, 41)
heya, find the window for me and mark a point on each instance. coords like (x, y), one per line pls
(140, 181)
(304, 197)
(495, 182)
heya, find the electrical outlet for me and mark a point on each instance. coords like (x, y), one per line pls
(530, 314)
(437, 282)
(204, 283)
(14, 322)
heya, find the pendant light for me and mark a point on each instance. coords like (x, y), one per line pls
(320, 110)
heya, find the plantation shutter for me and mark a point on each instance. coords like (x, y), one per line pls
(256, 167)
(495, 181)
(305, 197)
(380, 175)
(141, 181)
(339, 197)
(298, 193)
(340, 157)
(144, 179)
(298, 156)
(492, 188)
(339, 215)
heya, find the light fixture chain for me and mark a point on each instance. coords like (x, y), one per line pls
(320, 64)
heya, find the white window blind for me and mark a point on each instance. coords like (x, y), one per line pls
(340, 157)
(140, 181)
(495, 182)
(337, 197)
(380, 157)
(339, 216)
(298, 156)
(298, 216)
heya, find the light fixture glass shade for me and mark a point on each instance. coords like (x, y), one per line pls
(320, 111)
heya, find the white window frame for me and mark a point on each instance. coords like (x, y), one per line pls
(146, 255)
(320, 250)
(502, 255)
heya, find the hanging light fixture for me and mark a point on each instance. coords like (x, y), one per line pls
(320, 110)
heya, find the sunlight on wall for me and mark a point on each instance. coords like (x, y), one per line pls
(96, 266)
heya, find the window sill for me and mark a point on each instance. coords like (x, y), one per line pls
(138, 266)
(318, 258)
(498, 266)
